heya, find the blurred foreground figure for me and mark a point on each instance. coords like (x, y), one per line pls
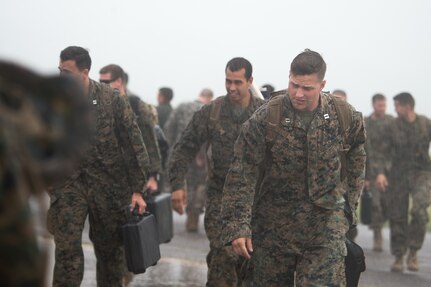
(42, 124)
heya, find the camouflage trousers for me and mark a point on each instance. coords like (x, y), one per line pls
(404, 234)
(66, 217)
(196, 193)
(379, 207)
(225, 268)
(299, 237)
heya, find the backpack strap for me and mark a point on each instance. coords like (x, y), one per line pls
(275, 107)
(215, 114)
(344, 115)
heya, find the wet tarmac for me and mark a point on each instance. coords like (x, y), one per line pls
(183, 262)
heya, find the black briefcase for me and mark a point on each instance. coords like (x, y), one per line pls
(161, 207)
(354, 263)
(141, 242)
(366, 207)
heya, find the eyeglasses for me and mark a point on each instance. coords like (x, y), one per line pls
(106, 81)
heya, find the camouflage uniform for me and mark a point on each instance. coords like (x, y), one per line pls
(146, 123)
(196, 175)
(113, 168)
(410, 175)
(222, 262)
(377, 130)
(295, 218)
(40, 124)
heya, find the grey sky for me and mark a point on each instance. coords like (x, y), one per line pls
(370, 46)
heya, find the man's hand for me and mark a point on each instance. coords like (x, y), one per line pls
(382, 182)
(178, 198)
(137, 199)
(151, 184)
(243, 247)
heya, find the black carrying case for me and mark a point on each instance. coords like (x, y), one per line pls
(161, 207)
(141, 242)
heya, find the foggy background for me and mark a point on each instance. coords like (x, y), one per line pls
(370, 46)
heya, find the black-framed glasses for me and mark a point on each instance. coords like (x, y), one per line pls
(106, 81)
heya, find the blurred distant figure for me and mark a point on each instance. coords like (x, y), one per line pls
(164, 108)
(266, 91)
(44, 124)
(176, 124)
(404, 170)
(340, 94)
(377, 128)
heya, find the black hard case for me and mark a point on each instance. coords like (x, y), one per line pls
(161, 207)
(141, 243)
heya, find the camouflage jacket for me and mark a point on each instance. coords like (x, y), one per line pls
(377, 130)
(146, 123)
(407, 148)
(297, 169)
(220, 135)
(178, 120)
(117, 156)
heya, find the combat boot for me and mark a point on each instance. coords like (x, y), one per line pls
(398, 265)
(378, 240)
(412, 261)
(192, 222)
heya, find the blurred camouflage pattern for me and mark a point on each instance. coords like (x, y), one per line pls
(377, 130)
(196, 175)
(408, 164)
(43, 125)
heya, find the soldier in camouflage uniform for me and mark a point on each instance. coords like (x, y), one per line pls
(218, 124)
(295, 219)
(42, 127)
(196, 175)
(111, 176)
(114, 76)
(164, 109)
(409, 164)
(376, 126)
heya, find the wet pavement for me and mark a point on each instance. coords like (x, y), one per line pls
(183, 262)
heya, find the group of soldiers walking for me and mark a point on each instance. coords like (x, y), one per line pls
(273, 176)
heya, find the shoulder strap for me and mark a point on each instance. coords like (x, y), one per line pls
(275, 106)
(344, 116)
(215, 113)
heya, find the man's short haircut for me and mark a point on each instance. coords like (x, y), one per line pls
(166, 93)
(307, 63)
(79, 55)
(207, 93)
(405, 99)
(115, 71)
(340, 92)
(238, 63)
(378, 97)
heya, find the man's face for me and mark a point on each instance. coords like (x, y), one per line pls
(237, 85)
(69, 68)
(107, 79)
(402, 110)
(379, 107)
(304, 91)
